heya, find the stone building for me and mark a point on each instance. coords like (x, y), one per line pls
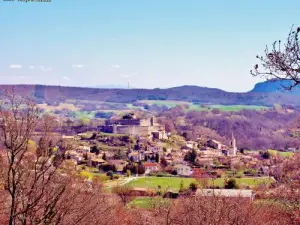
(233, 149)
(132, 126)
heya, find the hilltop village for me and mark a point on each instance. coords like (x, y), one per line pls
(142, 112)
(128, 146)
(139, 161)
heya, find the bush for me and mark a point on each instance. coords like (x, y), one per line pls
(141, 169)
(231, 184)
(103, 115)
(110, 174)
(174, 172)
(193, 186)
(265, 155)
(108, 167)
(161, 174)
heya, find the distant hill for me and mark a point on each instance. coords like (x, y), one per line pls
(110, 86)
(275, 86)
(200, 95)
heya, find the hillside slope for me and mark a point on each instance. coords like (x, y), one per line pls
(50, 94)
(275, 86)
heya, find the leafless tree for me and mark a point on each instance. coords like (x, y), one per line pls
(124, 193)
(211, 210)
(19, 117)
(287, 191)
(281, 61)
(33, 191)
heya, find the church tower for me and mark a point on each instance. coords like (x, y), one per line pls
(233, 149)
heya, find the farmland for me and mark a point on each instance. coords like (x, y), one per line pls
(147, 202)
(279, 153)
(174, 182)
(84, 109)
(200, 107)
(164, 182)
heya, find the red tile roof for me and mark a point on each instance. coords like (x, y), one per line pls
(150, 164)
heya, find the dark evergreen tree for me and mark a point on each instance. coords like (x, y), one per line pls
(141, 169)
(231, 184)
(104, 157)
(131, 159)
(191, 156)
(95, 150)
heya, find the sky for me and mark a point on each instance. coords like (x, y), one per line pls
(148, 43)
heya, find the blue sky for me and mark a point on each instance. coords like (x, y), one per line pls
(150, 43)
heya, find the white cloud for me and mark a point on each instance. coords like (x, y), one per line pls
(46, 69)
(31, 67)
(66, 78)
(78, 66)
(116, 66)
(15, 66)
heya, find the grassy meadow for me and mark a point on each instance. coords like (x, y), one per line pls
(165, 182)
(174, 182)
(279, 153)
(148, 202)
(200, 107)
(76, 110)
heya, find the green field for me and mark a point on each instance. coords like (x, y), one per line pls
(165, 182)
(174, 182)
(228, 107)
(198, 107)
(283, 154)
(251, 181)
(167, 103)
(121, 108)
(147, 202)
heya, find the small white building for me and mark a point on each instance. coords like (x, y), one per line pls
(73, 155)
(214, 144)
(83, 149)
(136, 156)
(151, 167)
(191, 144)
(183, 170)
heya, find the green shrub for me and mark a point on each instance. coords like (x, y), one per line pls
(193, 186)
(231, 184)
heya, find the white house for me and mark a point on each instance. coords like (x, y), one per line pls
(191, 144)
(151, 167)
(183, 170)
(83, 149)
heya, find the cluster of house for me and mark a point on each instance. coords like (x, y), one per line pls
(212, 152)
(228, 151)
